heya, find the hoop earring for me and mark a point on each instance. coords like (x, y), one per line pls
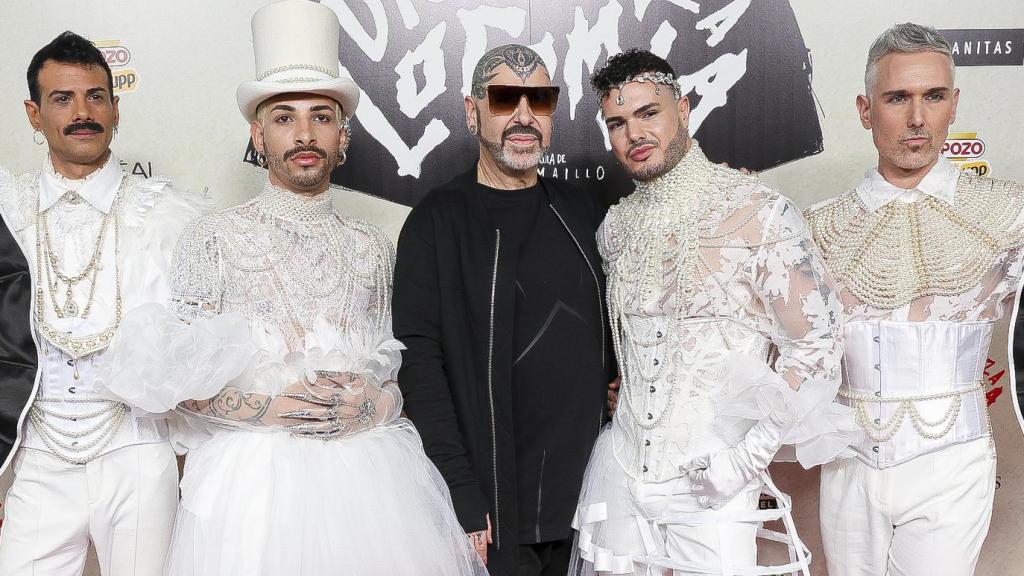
(261, 159)
(342, 157)
(37, 141)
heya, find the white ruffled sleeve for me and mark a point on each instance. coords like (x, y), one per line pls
(167, 353)
(801, 300)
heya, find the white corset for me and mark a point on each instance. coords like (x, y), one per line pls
(672, 380)
(917, 386)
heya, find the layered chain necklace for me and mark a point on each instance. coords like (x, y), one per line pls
(50, 270)
(302, 251)
(71, 445)
(656, 224)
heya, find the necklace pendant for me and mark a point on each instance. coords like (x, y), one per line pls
(70, 308)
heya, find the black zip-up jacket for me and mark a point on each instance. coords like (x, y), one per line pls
(17, 349)
(454, 307)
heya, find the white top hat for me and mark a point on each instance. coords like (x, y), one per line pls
(296, 46)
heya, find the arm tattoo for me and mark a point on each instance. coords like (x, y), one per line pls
(520, 60)
(232, 404)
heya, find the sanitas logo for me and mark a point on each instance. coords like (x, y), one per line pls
(965, 150)
(117, 56)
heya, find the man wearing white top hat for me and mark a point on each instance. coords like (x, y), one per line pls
(97, 243)
(277, 340)
(928, 259)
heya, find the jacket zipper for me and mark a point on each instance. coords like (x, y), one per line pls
(490, 394)
(600, 299)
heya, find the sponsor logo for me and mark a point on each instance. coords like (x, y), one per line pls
(118, 56)
(125, 80)
(986, 47)
(965, 150)
(144, 169)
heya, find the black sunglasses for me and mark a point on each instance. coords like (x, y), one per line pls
(503, 99)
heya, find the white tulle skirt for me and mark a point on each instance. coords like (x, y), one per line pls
(270, 504)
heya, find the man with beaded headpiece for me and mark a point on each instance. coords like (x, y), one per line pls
(499, 299)
(726, 328)
(928, 259)
(96, 243)
(275, 351)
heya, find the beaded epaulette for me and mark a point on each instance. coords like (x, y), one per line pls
(903, 251)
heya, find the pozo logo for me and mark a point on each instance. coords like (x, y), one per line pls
(963, 148)
(116, 55)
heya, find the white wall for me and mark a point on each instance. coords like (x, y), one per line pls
(190, 56)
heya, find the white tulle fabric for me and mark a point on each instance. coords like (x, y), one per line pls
(750, 330)
(263, 295)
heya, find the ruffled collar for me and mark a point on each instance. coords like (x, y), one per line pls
(294, 207)
(99, 188)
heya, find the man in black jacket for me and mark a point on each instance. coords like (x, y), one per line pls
(499, 298)
(18, 360)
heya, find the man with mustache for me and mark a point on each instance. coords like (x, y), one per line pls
(97, 242)
(928, 259)
(499, 300)
(726, 328)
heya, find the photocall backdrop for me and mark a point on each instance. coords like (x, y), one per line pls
(772, 85)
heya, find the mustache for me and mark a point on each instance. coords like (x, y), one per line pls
(85, 125)
(644, 142)
(520, 129)
(305, 149)
(917, 133)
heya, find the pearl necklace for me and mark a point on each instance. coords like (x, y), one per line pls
(907, 405)
(76, 346)
(660, 222)
(903, 251)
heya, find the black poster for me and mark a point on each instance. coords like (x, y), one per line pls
(743, 62)
(986, 47)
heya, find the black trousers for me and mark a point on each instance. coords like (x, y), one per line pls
(545, 558)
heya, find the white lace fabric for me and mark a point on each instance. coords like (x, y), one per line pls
(263, 295)
(706, 268)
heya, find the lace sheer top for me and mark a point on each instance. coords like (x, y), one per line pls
(705, 241)
(287, 263)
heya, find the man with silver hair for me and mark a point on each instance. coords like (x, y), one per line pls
(499, 300)
(928, 258)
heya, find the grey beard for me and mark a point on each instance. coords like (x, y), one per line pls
(513, 162)
(674, 152)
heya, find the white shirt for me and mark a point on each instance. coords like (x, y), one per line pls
(75, 211)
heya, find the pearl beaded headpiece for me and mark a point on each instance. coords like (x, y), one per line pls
(653, 77)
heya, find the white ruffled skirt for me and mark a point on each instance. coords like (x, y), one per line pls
(265, 503)
(628, 527)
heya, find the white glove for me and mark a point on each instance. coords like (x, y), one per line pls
(716, 478)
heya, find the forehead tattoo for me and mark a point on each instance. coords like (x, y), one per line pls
(521, 60)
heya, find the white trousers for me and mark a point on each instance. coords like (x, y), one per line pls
(123, 501)
(927, 516)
